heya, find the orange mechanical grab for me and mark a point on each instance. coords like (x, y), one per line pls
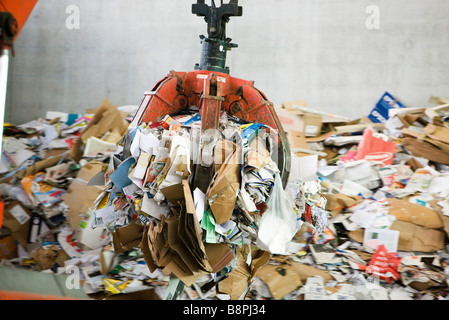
(212, 89)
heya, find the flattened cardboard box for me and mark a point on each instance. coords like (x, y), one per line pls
(189, 230)
(337, 202)
(437, 133)
(311, 123)
(416, 238)
(127, 237)
(17, 218)
(444, 218)
(424, 149)
(175, 244)
(106, 119)
(420, 215)
(222, 194)
(420, 145)
(288, 121)
(158, 254)
(219, 255)
(411, 237)
(79, 196)
(39, 166)
(280, 279)
(237, 282)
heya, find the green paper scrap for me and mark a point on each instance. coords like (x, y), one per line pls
(117, 269)
(208, 224)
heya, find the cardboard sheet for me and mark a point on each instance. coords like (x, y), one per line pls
(223, 193)
(107, 119)
(280, 279)
(79, 196)
(237, 282)
(17, 219)
(411, 237)
(127, 237)
(416, 238)
(175, 243)
(420, 215)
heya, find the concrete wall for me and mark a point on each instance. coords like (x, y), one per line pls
(318, 51)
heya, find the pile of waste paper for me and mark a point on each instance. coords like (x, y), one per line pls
(364, 214)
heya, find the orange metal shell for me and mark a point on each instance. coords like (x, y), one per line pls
(20, 9)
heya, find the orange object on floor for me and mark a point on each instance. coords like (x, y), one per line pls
(16, 295)
(2, 206)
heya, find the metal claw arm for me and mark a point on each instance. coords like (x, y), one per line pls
(215, 47)
(212, 89)
(217, 17)
(213, 92)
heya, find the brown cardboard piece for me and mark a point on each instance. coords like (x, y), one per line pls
(219, 255)
(337, 202)
(434, 113)
(45, 258)
(173, 194)
(414, 164)
(288, 105)
(352, 128)
(312, 122)
(127, 237)
(189, 229)
(438, 100)
(411, 237)
(238, 280)
(8, 247)
(221, 151)
(280, 279)
(54, 152)
(236, 283)
(416, 238)
(175, 243)
(288, 121)
(148, 249)
(286, 277)
(357, 235)
(179, 247)
(432, 144)
(158, 254)
(304, 271)
(222, 194)
(443, 217)
(425, 149)
(80, 197)
(107, 119)
(437, 133)
(420, 215)
(14, 219)
(437, 144)
(39, 166)
(258, 156)
(298, 140)
(185, 237)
